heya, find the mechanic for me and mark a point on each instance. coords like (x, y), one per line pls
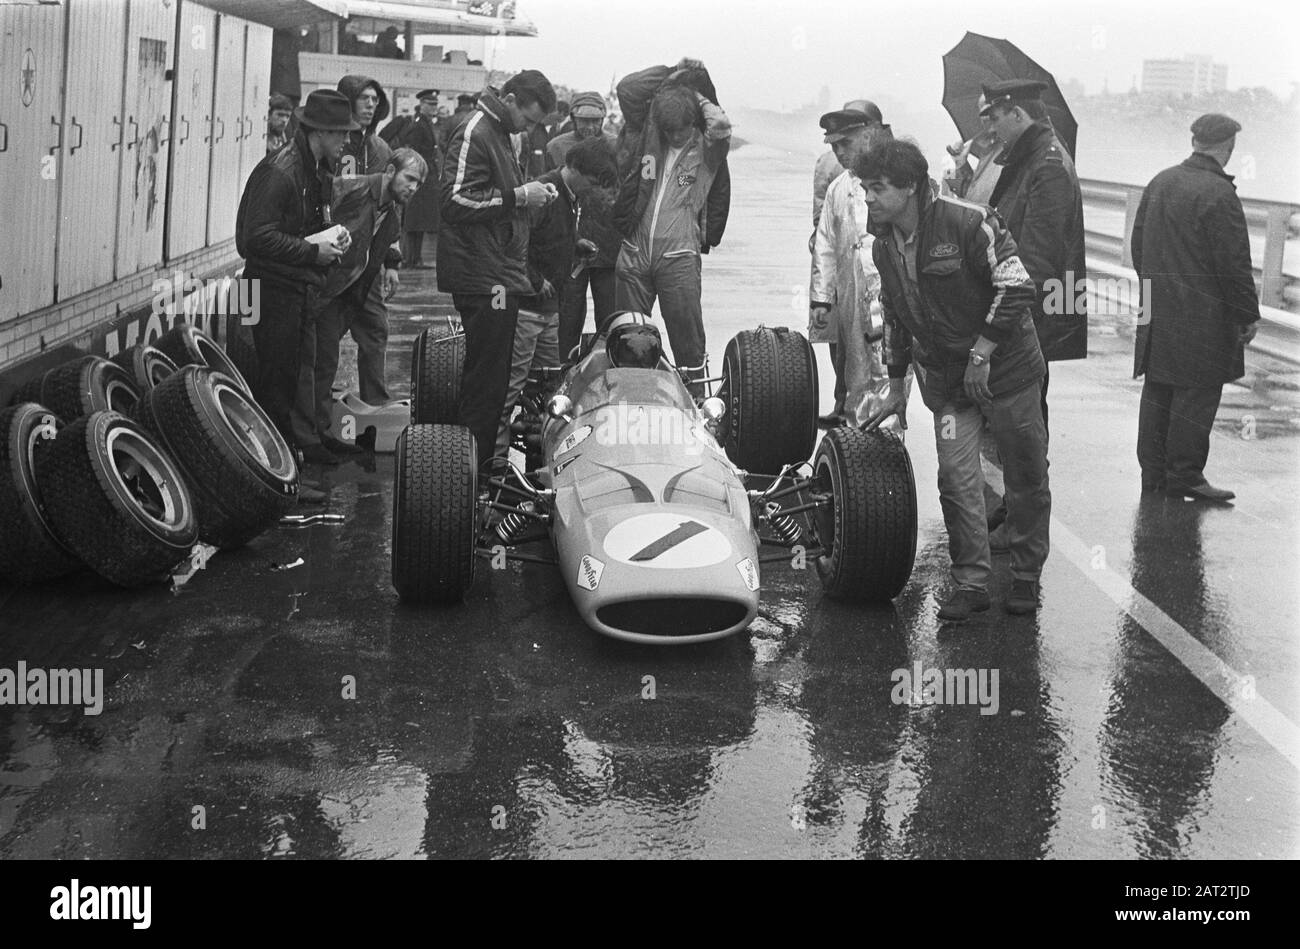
(483, 245)
(286, 201)
(666, 210)
(370, 208)
(957, 303)
(552, 241)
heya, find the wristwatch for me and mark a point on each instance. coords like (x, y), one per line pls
(977, 359)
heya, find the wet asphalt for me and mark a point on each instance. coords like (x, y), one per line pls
(266, 710)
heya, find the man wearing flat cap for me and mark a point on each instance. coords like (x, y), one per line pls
(844, 283)
(1038, 195)
(285, 202)
(1191, 250)
(595, 223)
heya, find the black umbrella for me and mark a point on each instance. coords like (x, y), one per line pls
(978, 60)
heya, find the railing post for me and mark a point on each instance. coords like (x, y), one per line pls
(1132, 198)
(1272, 279)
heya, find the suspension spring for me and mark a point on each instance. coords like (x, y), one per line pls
(783, 525)
(513, 525)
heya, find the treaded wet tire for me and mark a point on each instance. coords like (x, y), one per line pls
(30, 552)
(435, 500)
(868, 531)
(437, 364)
(84, 386)
(242, 472)
(117, 500)
(769, 385)
(189, 346)
(147, 365)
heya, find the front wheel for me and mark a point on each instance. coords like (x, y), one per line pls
(769, 386)
(437, 364)
(868, 530)
(435, 499)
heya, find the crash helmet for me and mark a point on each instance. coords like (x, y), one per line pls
(633, 342)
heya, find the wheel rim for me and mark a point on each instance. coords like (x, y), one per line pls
(215, 357)
(146, 477)
(250, 428)
(156, 370)
(121, 397)
(827, 515)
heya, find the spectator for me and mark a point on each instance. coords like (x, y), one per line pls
(483, 243)
(370, 208)
(386, 45)
(552, 241)
(828, 167)
(976, 184)
(277, 120)
(595, 224)
(365, 152)
(665, 209)
(284, 203)
(1192, 251)
(957, 304)
(420, 221)
(844, 281)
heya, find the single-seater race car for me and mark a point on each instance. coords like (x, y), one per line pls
(658, 507)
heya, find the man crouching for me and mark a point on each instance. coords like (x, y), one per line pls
(956, 303)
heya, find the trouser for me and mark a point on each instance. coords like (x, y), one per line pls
(489, 351)
(999, 512)
(368, 324)
(573, 304)
(1015, 420)
(675, 280)
(285, 338)
(536, 344)
(841, 389)
(413, 246)
(1174, 424)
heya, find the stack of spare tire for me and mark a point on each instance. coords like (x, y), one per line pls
(123, 465)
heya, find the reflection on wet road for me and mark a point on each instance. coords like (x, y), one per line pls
(302, 712)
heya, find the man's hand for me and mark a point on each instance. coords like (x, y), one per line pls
(1248, 332)
(688, 63)
(328, 253)
(390, 282)
(977, 383)
(818, 317)
(534, 194)
(894, 404)
(548, 289)
(586, 249)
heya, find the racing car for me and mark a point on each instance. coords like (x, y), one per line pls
(659, 503)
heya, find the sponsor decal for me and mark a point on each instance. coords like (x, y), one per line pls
(565, 463)
(589, 571)
(668, 541)
(685, 179)
(573, 439)
(943, 250)
(749, 573)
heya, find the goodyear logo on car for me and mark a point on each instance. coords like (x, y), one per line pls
(748, 573)
(589, 571)
(670, 541)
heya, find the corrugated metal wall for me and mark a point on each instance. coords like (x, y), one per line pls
(227, 110)
(257, 81)
(31, 62)
(187, 195)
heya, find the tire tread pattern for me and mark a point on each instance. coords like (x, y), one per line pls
(434, 508)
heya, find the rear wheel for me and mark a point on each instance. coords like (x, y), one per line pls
(30, 551)
(241, 469)
(868, 530)
(769, 385)
(437, 364)
(435, 500)
(116, 500)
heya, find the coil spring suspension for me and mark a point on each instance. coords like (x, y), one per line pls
(513, 525)
(783, 525)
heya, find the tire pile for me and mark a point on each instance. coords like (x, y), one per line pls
(123, 465)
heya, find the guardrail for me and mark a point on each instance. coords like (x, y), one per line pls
(1273, 222)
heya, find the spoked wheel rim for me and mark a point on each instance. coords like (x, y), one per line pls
(146, 478)
(250, 427)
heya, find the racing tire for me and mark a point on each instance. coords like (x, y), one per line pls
(242, 473)
(30, 552)
(190, 346)
(868, 530)
(437, 366)
(435, 502)
(147, 365)
(84, 386)
(769, 386)
(117, 500)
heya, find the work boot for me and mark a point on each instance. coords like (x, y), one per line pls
(963, 603)
(1023, 597)
(1203, 491)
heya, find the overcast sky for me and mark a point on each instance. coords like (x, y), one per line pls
(772, 54)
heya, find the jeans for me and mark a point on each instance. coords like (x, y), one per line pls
(1174, 424)
(489, 352)
(675, 281)
(573, 304)
(1016, 422)
(284, 338)
(536, 344)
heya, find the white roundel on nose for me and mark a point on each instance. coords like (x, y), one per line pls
(675, 541)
